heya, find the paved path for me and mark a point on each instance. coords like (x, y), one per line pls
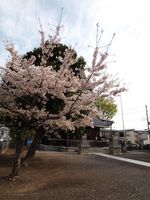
(137, 162)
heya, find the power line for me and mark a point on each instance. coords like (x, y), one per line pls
(131, 112)
(134, 108)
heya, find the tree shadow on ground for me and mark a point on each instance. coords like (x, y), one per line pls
(6, 161)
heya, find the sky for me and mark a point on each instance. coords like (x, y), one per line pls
(129, 19)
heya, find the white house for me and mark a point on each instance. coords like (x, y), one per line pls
(144, 137)
(4, 138)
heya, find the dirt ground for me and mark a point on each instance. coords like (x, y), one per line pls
(70, 176)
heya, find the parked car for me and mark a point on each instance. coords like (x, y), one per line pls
(131, 147)
(146, 146)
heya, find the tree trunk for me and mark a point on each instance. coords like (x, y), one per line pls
(34, 145)
(17, 159)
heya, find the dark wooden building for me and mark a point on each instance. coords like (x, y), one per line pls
(97, 136)
(101, 133)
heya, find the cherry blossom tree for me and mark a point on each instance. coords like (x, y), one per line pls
(53, 104)
(25, 90)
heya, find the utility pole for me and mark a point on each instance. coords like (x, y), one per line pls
(122, 114)
(147, 118)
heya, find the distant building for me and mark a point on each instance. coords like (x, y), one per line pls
(134, 137)
(131, 135)
(144, 136)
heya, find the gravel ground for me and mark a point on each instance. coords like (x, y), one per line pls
(68, 176)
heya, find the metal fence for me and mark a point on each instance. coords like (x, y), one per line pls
(76, 143)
